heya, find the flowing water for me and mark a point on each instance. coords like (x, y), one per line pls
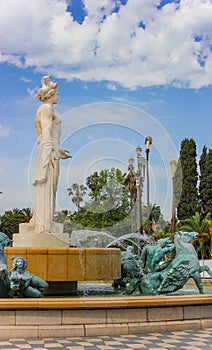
(99, 239)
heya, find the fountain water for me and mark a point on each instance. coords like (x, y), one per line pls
(91, 239)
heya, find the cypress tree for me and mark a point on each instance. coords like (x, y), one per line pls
(208, 192)
(203, 181)
(188, 204)
(177, 184)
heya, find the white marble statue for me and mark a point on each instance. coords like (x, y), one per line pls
(48, 127)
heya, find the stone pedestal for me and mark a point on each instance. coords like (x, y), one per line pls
(27, 237)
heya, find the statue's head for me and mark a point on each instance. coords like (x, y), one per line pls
(47, 90)
(163, 242)
(19, 262)
(186, 236)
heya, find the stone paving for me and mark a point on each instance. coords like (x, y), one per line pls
(176, 340)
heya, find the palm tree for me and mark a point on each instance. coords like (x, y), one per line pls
(77, 192)
(61, 216)
(154, 214)
(95, 183)
(11, 219)
(27, 214)
(200, 225)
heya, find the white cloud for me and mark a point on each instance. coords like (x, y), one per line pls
(25, 80)
(111, 87)
(32, 92)
(138, 46)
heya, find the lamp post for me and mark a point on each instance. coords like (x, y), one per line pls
(139, 176)
(148, 142)
(131, 180)
(173, 164)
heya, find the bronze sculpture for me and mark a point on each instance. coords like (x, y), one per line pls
(18, 282)
(158, 276)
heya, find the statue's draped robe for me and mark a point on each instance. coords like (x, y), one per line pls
(48, 125)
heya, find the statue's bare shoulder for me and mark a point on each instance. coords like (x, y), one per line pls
(45, 108)
(44, 113)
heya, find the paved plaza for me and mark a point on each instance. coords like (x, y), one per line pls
(176, 340)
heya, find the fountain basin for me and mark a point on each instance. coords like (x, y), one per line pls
(77, 317)
(62, 268)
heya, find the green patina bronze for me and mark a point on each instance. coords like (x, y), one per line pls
(4, 277)
(23, 283)
(17, 282)
(152, 255)
(130, 268)
(157, 276)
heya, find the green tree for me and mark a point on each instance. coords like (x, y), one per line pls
(26, 214)
(188, 204)
(107, 188)
(200, 225)
(61, 216)
(77, 192)
(177, 183)
(11, 219)
(203, 180)
(154, 216)
(109, 204)
(95, 182)
(208, 193)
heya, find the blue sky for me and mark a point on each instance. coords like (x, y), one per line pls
(126, 70)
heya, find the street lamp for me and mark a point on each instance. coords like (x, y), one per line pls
(139, 176)
(173, 164)
(148, 142)
(131, 183)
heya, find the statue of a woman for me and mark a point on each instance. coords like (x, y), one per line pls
(22, 282)
(48, 126)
